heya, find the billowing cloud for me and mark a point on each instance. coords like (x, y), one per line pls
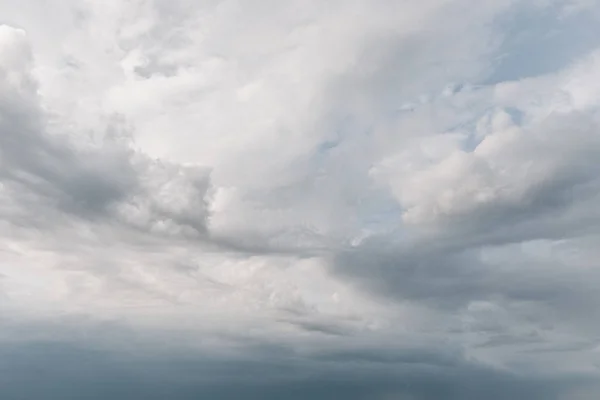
(361, 200)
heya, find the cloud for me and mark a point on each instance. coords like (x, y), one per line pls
(96, 178)
(389, 200)
(150, 373)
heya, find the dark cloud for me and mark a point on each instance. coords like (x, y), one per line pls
(446, 266)
(83, 182)
(90, 179)
(73, 371)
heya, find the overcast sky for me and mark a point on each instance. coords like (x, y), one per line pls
(267, 199)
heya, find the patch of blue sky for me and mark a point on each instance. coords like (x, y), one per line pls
(540, 41)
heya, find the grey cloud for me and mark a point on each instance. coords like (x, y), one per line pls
(449, 279)
(478, 291)
(446, 266)
(92, 183)
(80, 182)
(311, 325)
(101, 180)
(76, 370)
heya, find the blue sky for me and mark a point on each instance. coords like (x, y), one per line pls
(390, 200)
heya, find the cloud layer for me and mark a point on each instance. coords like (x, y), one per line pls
(368, 199)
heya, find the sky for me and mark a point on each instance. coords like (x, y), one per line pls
(301, 199)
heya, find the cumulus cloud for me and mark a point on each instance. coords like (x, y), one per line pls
(375, 199)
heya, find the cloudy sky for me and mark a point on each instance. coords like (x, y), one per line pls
(300, 199)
